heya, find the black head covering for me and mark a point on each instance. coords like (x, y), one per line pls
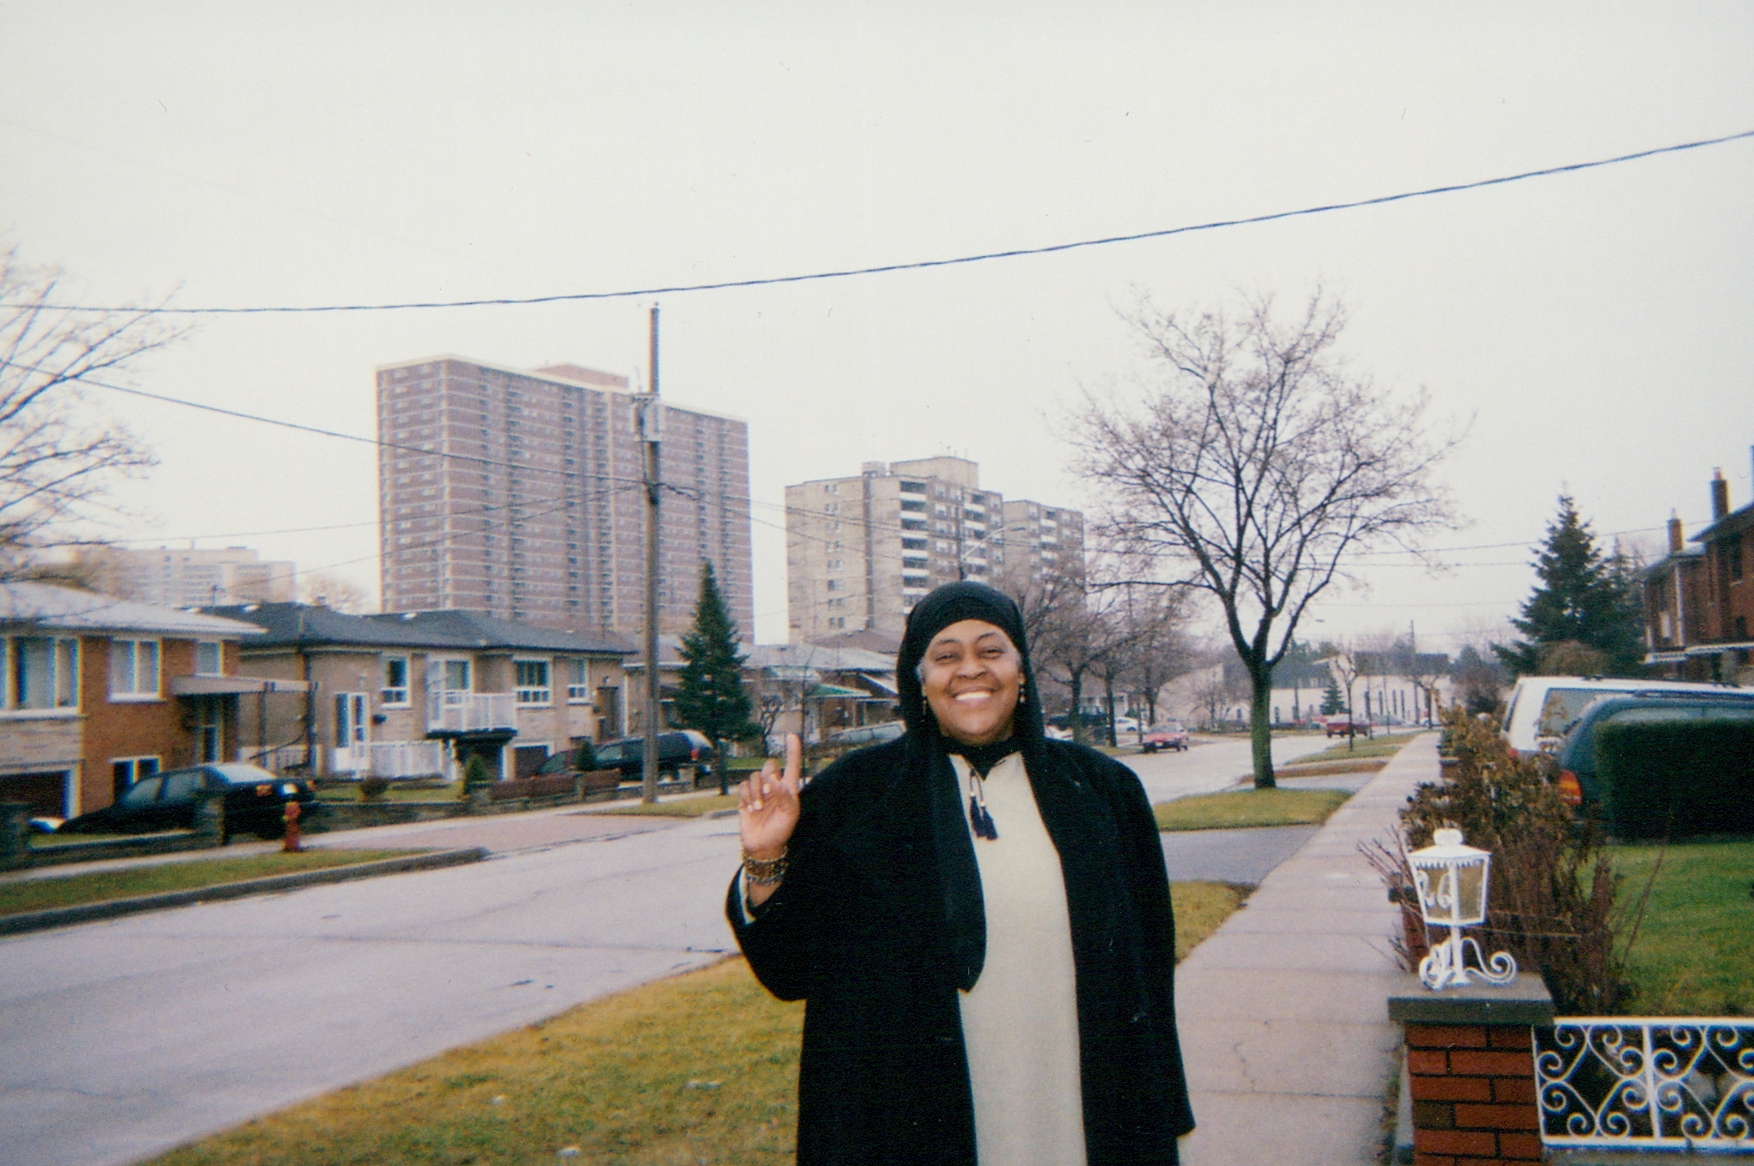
(953, 603)
(964, 914)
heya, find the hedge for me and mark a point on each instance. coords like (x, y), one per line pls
(1677, 778)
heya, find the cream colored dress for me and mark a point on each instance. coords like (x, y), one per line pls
(1020, 1020)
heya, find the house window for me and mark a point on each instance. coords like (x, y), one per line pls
(395, 691)
(209, 658)
(578, 683)
(1733, 557)
(531, 681)
(134, 669)
(42, 673)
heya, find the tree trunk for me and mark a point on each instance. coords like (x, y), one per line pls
(719, 760)
(1261, 726)
(1077, 680)
(1108, 690)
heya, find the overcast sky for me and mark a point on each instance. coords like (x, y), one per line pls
(1591, 329)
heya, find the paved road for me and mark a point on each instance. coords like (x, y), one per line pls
(121, 1039)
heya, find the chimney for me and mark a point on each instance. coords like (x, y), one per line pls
(1720, 496)
(1676, 544)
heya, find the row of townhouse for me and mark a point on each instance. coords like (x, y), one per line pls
(1699, 600)
(412, 694)
(99, 692)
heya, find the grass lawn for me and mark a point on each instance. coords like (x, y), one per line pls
(684, 807)
(1384, 746)
(699, 1068)
(1324, 768)
(1694, 954)
(1236, 809)
(96, 887)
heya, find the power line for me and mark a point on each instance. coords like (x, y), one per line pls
(917, 265)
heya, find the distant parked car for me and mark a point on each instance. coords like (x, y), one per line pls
(675, 749)
(1575, 765)
(255, 802)
(1345, 726)
(1165, 735)
(866, 735)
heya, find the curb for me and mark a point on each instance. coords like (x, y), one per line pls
(26, 921)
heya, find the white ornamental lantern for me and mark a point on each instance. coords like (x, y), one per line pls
(1451, 880)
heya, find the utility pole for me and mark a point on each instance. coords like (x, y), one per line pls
(651, 431)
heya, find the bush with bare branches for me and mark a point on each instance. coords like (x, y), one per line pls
(1553, 888)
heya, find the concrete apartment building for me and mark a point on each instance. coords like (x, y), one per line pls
(522, 498)
(189, 578)
(860, 551)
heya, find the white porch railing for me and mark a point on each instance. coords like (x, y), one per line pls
(1636, 1082)
(392, 759)
(276, 760)
(471, 712)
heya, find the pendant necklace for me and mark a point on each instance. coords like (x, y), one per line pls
(978, 818)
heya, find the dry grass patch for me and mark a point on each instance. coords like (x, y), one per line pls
(699, 1068)
(682, 807)
(1325, 768)
(39, 894)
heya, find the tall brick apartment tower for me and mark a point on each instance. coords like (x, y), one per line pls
(527, 502)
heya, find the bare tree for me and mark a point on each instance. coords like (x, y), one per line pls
(1254, 468)
(334, 592)
(1344, 664)
(57, 461)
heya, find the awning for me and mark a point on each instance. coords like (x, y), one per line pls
(831, 691)
(793, 672)
(880, 684)
(233, 685)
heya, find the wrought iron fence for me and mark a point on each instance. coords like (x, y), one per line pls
(1647, 1082)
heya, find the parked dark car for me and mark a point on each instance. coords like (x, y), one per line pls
(255, 802)
(1575, 760)
(1165, 735)
(675, 749)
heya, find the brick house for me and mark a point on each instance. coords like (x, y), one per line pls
(99, 692)
(411, 693)
(1699, 601)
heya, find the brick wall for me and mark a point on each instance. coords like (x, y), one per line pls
(1473, 1092)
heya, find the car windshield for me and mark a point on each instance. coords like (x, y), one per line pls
(237, 773)
(142, 793)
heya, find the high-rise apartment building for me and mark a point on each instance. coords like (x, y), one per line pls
(861, 551)
(522, 497)
(189, 577)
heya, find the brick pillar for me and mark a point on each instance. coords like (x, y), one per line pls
(1471, 1070)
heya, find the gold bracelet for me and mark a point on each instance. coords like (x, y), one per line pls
(764, 872)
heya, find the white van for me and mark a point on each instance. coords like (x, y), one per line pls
(1542, 708)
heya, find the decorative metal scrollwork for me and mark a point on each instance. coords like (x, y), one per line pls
(1647, 1082)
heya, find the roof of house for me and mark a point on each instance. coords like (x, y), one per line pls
(298, 623)
(818, 657)
(54, 607)
(1734, 522)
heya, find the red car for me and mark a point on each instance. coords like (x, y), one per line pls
(1168, 735)
(1343, 726)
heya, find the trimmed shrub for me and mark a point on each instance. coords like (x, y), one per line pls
(1673, 779)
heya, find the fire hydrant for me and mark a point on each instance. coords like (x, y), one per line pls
(291, 846)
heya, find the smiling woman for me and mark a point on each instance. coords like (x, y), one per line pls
(995, 986)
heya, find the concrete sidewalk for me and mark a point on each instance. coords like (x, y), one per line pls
(1283, 1011)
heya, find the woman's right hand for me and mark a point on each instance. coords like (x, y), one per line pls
(767, 807)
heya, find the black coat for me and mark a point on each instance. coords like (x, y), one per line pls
(859, 931)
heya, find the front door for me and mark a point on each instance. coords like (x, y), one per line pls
(352, 731)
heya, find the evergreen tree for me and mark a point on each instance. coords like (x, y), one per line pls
(711, 697)
(1585, 612)
(1332, 702)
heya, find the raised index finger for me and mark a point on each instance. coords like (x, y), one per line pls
(794, 759)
